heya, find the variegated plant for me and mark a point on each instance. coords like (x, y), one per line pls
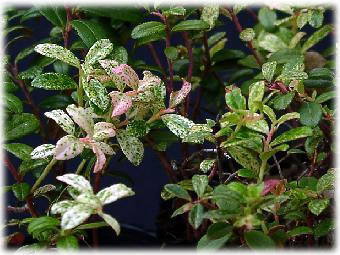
(85, 203)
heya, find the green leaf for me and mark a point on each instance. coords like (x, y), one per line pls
(196, 215)
(98, 51)
(302, 19)
(176, 11)
(246, 173)
(293, 134)
(89, 31)
(171, 53)
(138, 128)
(13, 103)
(326, 182)
(302, 230)
(288, 116)
(199, 183)
(42, 224)
(268, 70)
(264, 156)
(235, 100)
(270, 113)
(267, 18)
(317, 206)
(206, 243)
(57, 52)
(67, 243)
(259, 126)
(56, 15)
(184, 208)
(128, 14)
(54, 81)
(310, 114)
(210, 14)
(281, 102)
(21, 190)
(324, 227)
(256, 92)
(191, 25)
(20, 150)
(21, 125)
(317, 37)
(97, 93)
(177, 191)
(325, 97)
(219, 230)
(32, 164)
(92, 225)
(271, 42)
(55, 102)
(245, 157)
(131, 146)
(112, 222)
(31, 73)
(316, 16)
(247, 35)
(147, 29)
(258, 240)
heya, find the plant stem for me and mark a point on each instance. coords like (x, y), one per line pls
(47, 169)
(170, 64)
(262, 169)
(250, 44)
(81, 166)
(80, 88)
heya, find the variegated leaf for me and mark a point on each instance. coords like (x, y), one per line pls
(98, 51)
(121, 103)
(256, 92)
(97, 93)
(178, 124)
(111, 221)
(103, 130)
(197, 133)
(43, 151)
(75, 215)
(178, 96)
(131, 146)
(113, 193)
(82, 117)
(245, 157)
(76, 181)
(57, 52)
(89, 199)
(210, 14)
(62, 119)
(68, 147)
(62, 206)
(108, 65)
(44, 189)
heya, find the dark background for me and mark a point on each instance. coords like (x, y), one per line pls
(137, 213)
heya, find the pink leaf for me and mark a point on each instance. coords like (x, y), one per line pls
(125, 75)
(178, 96)
(149, 80)
(269, 185)
(121, 103)
(101, 159)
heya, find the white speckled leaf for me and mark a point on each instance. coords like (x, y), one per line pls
(131, 146)
(108, 65)
(288, 116)
(75, 215)
(62, 206)
(76, 181)
(103, 130)
(98, 51)
(178, 96)
(111, 221)
(178, 124)
(121, 103)
(57, 52)
(82, 117)
(97, 93)
(268, 70)
(207, 164)
(105, 148)
(113, 193)
(247, 34)
(197, 133)
(43, 151)
(259, 126)
(210, 14)
(62, 119)
(68, 147)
